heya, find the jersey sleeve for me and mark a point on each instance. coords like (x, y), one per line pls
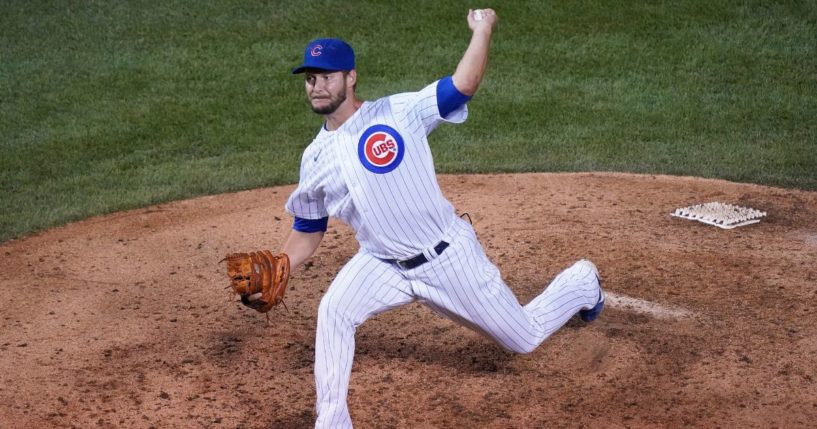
(437, 103)
(307, 200)
(306, 203)
(449, 98)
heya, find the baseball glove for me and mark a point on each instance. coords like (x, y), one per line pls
(258, 273)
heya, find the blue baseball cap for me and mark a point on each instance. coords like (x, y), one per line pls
(327, 54)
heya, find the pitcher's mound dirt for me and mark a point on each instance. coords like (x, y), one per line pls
(123, 321)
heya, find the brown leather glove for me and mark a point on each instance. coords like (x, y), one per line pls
(258, 273)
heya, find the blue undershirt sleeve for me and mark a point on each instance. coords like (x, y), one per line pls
(449, 98)
(310, 225)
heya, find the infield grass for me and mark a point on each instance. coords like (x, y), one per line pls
(106, 106)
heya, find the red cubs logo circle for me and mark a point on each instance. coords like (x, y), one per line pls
(380, 149)
(316, 50)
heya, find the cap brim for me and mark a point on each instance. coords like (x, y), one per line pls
(301, 69)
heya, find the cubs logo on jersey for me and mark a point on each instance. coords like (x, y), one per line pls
(380, 149)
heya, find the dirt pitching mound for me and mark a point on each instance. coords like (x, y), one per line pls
(124, 320)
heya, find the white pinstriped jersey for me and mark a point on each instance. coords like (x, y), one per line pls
(376, 173)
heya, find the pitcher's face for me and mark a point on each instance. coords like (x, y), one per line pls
(326, 90)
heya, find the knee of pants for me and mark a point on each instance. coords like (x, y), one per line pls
(523, 349)
(331, 311)
(514, 345)
(520, 347)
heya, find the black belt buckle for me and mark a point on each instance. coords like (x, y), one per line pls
(420, 259)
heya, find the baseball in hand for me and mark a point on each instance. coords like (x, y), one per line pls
(478, 15)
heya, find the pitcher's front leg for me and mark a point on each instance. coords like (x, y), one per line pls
(364, 287)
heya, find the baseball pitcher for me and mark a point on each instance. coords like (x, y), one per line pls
(371, 167)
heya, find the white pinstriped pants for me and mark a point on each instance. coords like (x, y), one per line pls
(461, 284)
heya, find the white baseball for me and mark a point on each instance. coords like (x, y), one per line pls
(478, 15)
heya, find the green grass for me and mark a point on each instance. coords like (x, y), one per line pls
(106, 106)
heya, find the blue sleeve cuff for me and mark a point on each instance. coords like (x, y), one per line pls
(310, 225)
(449, 98)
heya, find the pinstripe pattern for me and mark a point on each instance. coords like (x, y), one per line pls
(364, 287)
(461, 284)
(398, 214)
(395, 215)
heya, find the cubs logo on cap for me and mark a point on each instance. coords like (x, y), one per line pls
(380, 149)
(327, 54)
